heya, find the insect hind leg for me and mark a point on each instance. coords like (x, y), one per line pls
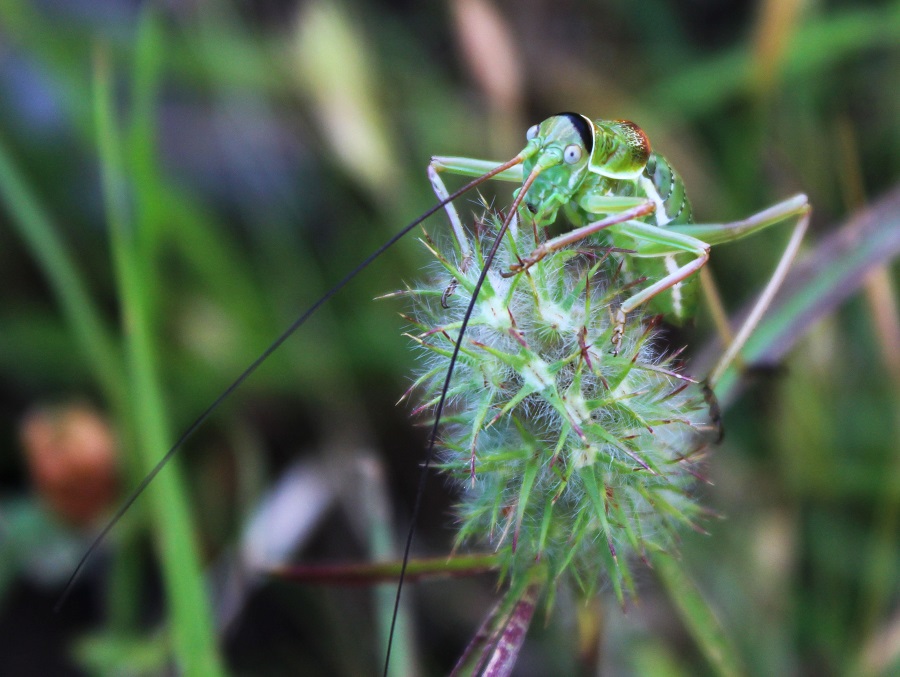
(802, 212)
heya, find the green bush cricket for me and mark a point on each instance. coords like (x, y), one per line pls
(603, 176)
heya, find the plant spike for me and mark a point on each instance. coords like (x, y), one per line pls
(604, 177)
(586, 464)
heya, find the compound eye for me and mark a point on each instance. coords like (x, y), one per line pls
(572, 154)
(532, 132)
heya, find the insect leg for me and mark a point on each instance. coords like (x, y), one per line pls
(463, 167)
(719, 233)
(441, 191)
(765, 298)
(796, 207)
(653, 241)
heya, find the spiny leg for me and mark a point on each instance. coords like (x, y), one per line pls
(796, 207)
(441, 191)
(463, 167)
(765, 298)
(720, 233)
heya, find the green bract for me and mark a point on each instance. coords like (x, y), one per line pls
(571, 458)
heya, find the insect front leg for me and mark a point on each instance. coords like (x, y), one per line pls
(463, 167)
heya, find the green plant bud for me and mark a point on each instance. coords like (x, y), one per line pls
(569, 457)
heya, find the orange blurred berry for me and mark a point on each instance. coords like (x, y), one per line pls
(71, 452)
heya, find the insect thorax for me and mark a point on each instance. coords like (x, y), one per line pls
(658, 181)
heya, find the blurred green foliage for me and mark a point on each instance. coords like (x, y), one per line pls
(255, 152)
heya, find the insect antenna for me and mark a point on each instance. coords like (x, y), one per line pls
(295, 325)
(432, 439)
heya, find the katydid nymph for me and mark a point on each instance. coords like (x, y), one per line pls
(602, 178)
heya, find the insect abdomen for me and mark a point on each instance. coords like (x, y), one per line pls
(673, 200)
(664, 186)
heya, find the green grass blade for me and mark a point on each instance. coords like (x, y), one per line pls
(697, 616)
(382, 546)
(191, 623)
(41, 235)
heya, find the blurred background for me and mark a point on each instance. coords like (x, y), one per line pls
(179, 180)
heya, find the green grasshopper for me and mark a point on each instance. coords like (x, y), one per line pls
(604, 177)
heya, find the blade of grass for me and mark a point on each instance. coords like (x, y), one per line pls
(92, 334)
(879, 562)
(382, 546)
(170, 216)
(697, 616)
(41, 235)
(192, 628)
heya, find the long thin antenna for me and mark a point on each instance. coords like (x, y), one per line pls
(432, 440)
(295, 325)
